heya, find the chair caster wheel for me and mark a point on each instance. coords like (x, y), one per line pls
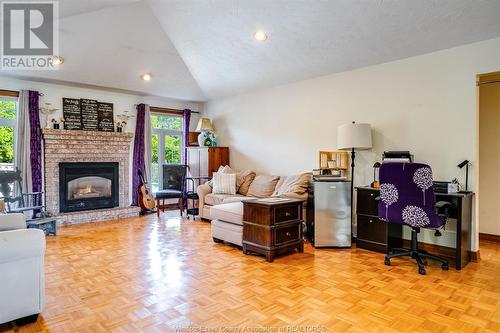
(421, 271)
(387, 262)
(445, 266)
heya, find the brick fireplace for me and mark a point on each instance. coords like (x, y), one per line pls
(65, 148)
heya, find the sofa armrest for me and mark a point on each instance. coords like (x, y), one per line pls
(16, 245)
(12, 221)
(202, 191)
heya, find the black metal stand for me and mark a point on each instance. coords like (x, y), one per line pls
(415, 253)
(467, 177)
(353, 155)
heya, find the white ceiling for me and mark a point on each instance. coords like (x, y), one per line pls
(203, 49)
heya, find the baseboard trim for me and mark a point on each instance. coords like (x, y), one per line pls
(489, 237)
(474, 256)
(439, 250)
(442, 251)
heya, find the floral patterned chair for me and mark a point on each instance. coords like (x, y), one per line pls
(407, 197)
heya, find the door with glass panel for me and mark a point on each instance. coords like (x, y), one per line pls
(166, 144)
(8, 108)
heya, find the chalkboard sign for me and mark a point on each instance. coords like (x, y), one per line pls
(89, 114)
(72, 114)
(105, 118)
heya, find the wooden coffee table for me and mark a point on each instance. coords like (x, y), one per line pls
(272, 228)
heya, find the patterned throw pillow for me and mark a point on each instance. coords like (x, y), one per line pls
(224, 183)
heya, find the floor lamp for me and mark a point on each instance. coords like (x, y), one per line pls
(350, 137)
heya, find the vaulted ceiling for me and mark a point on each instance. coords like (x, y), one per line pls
(203, 49)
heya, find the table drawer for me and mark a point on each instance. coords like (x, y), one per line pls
(372, 229)
(366, 203)
(287, 234)
(287, 213)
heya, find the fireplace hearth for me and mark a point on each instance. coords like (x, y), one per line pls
(88, 185)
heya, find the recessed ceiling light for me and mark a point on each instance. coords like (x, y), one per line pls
(56, 60)
(260, 36)
(146, 76)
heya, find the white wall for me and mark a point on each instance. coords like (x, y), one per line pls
(53, 93)
(426, 104)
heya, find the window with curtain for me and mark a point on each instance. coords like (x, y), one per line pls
(166, 144)
(8, 108)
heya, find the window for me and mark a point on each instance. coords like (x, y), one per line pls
(166, 144)
(8, 108)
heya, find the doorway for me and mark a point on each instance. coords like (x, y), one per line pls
(489, 153)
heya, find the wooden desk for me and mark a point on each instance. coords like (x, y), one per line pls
(376, 235)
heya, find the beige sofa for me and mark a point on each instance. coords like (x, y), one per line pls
(226, 210)
(207, 199)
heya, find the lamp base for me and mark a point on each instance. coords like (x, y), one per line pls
(204, 140)
(201, 140)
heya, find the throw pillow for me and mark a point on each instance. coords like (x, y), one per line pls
(296, 184)
(243, 178)
(243, 181)
(220, 170)
(262, 186)
(224, 183)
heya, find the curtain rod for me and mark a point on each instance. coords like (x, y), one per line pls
(166, 110)
(12, 93)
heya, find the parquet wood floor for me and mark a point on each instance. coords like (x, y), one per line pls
(149, 275)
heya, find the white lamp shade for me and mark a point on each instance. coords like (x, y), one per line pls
(357, 136)
(204, 125)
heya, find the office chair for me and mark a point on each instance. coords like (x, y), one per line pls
(407, 197)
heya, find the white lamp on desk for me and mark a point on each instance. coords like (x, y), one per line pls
(350, 137)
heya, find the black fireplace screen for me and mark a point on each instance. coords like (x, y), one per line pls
(87, 186)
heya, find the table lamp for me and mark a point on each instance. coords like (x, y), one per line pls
(204, 126)
(350, 137)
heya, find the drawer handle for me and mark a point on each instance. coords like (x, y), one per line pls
(287, 214)
(371, 194)
(288, 234)
(371, 221)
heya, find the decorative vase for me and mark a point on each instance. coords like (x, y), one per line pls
(119, 129)
(204, 139)
(56, 126)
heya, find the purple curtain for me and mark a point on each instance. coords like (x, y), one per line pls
(138, 158)
(35, 142)
(186, 117)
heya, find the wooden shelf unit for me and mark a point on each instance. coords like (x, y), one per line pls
(340, 158)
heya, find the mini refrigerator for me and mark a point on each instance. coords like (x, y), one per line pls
(332, 213)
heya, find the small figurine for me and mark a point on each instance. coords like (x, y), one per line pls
(55, 124)
(120, 125)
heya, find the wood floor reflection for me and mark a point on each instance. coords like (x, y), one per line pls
(150, 275)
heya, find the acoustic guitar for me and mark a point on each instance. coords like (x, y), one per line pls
(146, 199)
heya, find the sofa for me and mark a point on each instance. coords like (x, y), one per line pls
(22, 285)
(225, 211)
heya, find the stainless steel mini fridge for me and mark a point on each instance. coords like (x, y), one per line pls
(332, 213)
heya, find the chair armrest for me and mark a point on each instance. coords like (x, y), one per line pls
(16, 245)
(443, 205)
(12, 221)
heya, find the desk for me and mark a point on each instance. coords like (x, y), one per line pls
(377, 235)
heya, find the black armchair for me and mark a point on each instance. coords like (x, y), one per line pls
(174, 182)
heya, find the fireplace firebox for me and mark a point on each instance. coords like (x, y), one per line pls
(87, 186)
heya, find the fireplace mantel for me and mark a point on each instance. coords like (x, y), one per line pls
(86, 146)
